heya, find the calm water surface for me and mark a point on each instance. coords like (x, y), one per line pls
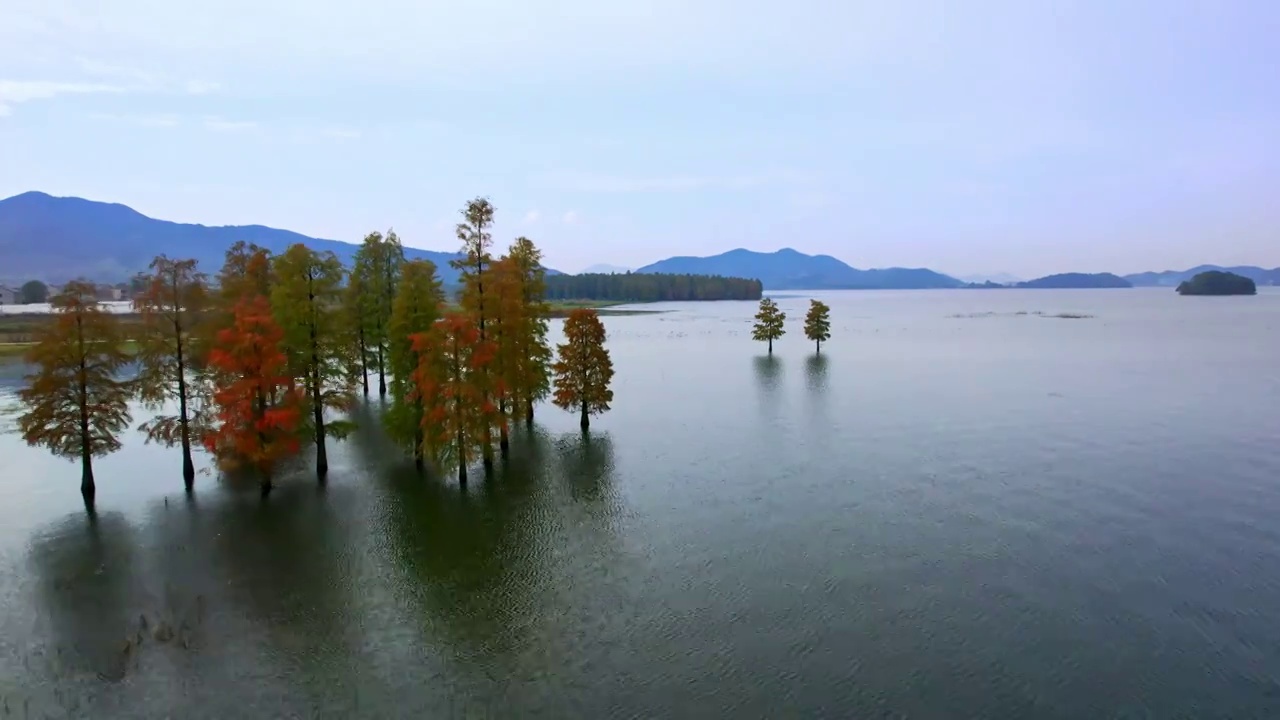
(957, 511)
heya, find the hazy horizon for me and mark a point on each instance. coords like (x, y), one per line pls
(1009, 138)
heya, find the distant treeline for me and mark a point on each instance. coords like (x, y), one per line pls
(644, 287)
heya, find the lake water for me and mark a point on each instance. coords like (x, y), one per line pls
(958, 511)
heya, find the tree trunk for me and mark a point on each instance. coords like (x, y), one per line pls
(770, 346)
(418, 461)
(462, 462)
(188, 467)
(819, 347)
(382, 374)
(586, 419)
(317, 412)
(265, 486)
(87, 488)
(528, 415)
(364, 362)
(504, 444)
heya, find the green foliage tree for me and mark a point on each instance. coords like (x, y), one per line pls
(770, 323)
(650, 287)
(476, 240)
(376, 271)
(32, 292)
(75, 403)
(584, 369)
(817, 323)
(354, 309)
(416, 309)
(169, 303)
(306, 301)
(533, 373)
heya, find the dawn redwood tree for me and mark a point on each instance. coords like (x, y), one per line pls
(377, 264)
(473, 269)
(75, 402)
(354, 308)
(169, 304)
(817, 323)
(458, 411)
(584, 369)
(533, 372)
(306, 301)
(415, 310)
(770, 323)
(505, 332)
(256, 413)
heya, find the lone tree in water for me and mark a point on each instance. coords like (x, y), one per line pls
(769, 323)
(817, 323)
(75, 404)
(584, 370)
(172, 297)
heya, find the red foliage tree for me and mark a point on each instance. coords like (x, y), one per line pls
(256, 408)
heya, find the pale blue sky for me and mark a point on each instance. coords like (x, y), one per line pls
(969, 137)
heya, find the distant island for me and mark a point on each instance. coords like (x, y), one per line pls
(1218, 282)
(1077, 281)
(1062, 281)
(789, 269)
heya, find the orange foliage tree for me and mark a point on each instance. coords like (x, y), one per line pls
(450, 384)
(584, 370)
(506, 331)
(256, 410)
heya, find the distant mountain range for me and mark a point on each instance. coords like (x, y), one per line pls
(789, 269)
(1172, 278)
(59, 238)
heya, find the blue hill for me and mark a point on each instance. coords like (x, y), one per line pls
(59, 238)
(1173, 278)
(788, 269)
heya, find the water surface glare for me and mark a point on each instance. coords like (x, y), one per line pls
(962, 508)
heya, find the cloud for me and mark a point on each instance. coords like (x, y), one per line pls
(591, 182)
(149, 121)
(531, 217)
(317, 134)
(217, 124)
(571, 218)
(201, 87)
(15, 92)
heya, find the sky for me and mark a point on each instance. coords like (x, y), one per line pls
(978, 137)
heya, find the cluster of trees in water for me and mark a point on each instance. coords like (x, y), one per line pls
(771, 323)
(258, 360)
(651, 287)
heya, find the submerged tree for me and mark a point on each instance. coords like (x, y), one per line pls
(170, 303)
(817, 323)
(75, 403)
(376, 272)
(415, 311)
(584, 370)
(532, 377)
(473, 268)
(256, 412)
(307, 303)
(769, 323)
(353, 307)
(506, 331)
(458, 412)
